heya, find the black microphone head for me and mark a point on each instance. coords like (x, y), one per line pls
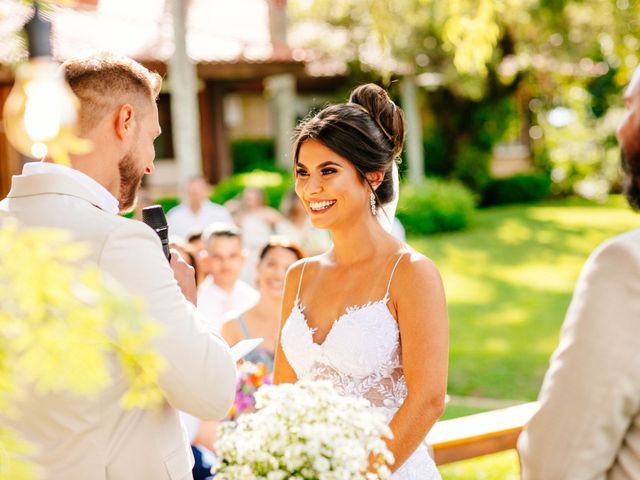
(154, 217)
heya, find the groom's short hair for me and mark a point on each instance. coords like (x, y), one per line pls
(104, 80)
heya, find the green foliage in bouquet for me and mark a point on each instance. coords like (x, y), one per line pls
(60, 324)
(305, 431)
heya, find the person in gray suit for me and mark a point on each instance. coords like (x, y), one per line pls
(588, 425)
(77, 438)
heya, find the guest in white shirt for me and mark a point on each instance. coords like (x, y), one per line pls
(197, 211)
(222, 292)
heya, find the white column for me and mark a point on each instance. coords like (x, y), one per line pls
(183, 85)
(415, 154)
(280, 90)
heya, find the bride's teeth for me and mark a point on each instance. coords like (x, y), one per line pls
(321, 205)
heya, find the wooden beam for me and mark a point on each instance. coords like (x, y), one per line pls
(10, 163)
(245, 70)
(474, 435)
(218, 154)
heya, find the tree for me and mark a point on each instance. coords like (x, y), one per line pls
(479, 56)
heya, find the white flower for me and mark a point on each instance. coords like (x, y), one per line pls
(304, 431)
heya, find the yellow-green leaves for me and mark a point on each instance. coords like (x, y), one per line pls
(66, 328)
(472, 31)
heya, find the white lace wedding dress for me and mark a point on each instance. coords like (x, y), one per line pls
(361, 356)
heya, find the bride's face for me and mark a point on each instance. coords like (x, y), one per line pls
(329, 186)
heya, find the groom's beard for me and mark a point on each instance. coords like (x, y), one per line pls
(130, 180)
(631, 165)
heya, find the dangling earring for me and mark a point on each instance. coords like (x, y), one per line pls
(372, 202)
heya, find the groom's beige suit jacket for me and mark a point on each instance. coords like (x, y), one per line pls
(91, 439)
(588, 426)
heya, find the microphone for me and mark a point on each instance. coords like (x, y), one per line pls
(154, 217)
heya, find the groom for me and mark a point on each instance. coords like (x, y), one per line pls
(588, 426)
(79, 438)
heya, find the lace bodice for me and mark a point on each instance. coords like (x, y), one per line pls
(362, 356)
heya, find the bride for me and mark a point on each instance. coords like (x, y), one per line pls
(369, 314)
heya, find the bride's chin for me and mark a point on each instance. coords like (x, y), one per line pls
(319, 223)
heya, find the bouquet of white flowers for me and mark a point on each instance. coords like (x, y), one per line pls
(304, 431)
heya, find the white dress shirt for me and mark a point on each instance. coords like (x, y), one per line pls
(216, 305)
(107, 201)
(182, 220)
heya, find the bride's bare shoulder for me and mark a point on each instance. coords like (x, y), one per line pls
(308, 264)
(416, 267)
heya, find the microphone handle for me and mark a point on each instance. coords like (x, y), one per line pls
(165, 248)
(163, 233)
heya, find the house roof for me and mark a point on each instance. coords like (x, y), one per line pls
(218, 32)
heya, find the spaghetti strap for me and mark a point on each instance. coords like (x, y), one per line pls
(386, 295)
(304, 264)
(243, 326)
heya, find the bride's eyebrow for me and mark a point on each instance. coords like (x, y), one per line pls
(328, 163)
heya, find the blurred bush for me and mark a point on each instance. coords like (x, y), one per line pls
(576, 146)
(472, 167)
(249, 154)
(520, 188)
(459, 140)
(437, 161)
(274, 184)
(435, 206)
(167, 203)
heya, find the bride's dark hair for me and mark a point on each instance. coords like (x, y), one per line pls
(368, 131)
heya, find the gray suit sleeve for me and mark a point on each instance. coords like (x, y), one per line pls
(200, 374)
(590, 393)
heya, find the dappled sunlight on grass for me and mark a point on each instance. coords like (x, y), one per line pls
(499, 466)
(496, 345)
(536, 277)
(513, 232)
(509, 281)
(463, 289)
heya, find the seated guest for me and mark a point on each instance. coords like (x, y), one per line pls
(257, 222)
(263, 319)
(196, 211)
(222, 292)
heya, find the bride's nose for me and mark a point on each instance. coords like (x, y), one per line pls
(313, 184)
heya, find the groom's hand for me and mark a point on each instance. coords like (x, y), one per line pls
(185, 276)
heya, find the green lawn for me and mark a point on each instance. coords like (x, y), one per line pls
(509, 280)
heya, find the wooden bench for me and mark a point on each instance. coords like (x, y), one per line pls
(480, 434)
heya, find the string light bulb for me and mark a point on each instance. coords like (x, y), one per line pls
(41, 111)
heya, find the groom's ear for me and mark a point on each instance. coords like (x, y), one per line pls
(375, 178)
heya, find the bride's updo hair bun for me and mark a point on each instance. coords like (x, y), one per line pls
(383, 111)
(368, 131)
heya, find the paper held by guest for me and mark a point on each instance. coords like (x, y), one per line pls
(243, 347)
